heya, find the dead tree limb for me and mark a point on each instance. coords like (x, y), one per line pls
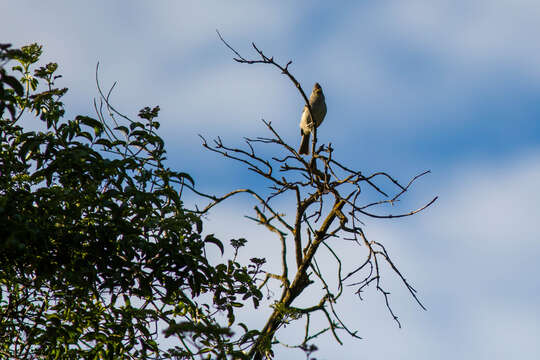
(314, 184)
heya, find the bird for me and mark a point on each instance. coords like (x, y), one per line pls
(318, 109)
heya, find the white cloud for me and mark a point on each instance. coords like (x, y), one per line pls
(506, 330)
(393, 60)
(162, 55)
(232, 98)
(496, 206)
(474, 33)
(399, 60)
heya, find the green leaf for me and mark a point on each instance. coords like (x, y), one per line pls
(213, 240)
(182, 175)
(86, 135)
(17, 68)
(93, 123)
(136, 124)
(230, 317)
(105, 142)
(123, 129)
(15, 84)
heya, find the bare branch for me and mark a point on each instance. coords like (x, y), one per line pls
(329, 207)
(392, 216)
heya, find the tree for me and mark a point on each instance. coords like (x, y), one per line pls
(98, 254)
(100, 258)
(328, 202)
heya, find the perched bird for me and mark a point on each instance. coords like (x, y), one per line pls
(318, 109)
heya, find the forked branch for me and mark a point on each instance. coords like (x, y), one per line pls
(328, 208)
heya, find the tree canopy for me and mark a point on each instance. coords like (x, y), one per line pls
(97, 251)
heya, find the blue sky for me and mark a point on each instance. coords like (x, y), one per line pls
(450, 86)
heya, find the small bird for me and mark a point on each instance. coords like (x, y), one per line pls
(318, 109)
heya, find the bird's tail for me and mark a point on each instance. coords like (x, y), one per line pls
(304, 146)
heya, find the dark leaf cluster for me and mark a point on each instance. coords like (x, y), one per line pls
(98, 255)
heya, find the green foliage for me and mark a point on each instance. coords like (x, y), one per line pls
(14, 87)
(97, 253)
